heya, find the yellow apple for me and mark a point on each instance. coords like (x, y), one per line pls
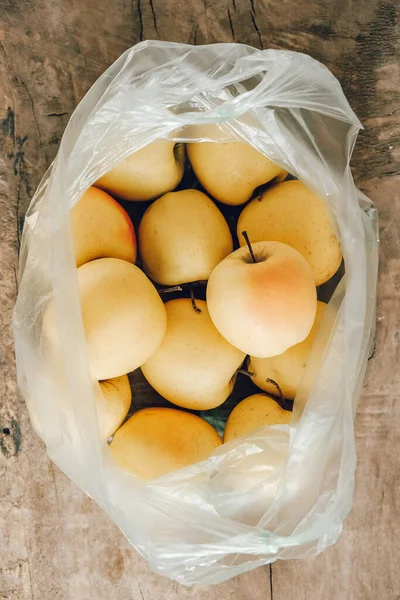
(291, 213)
(182, 236)
(266, 306)
(146, 174)
(286, 369)
(194, 367)
(101, 228)
(157, 441)
(252, 413)
(123, 316)
(113, 399)
(230, 171)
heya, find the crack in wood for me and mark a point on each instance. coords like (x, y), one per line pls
(8, 124)
(257, 30)
(140, 590)
(153, 12)
(253, 19)
(22, 83)
(19, 166)
(23, 179)
(29, 573)
(195, 34)
(231, 24)
(372, 351)
(79, 47)
(15, 280)
(271, 591)
(390, 173)
(139, 11)
(55, 487)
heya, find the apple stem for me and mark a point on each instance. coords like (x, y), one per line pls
(175, 288)
(278, 388)
(193, 299)
(183, 286)
(246, 237)
(246, 372)
(259, 192)
(177, 152)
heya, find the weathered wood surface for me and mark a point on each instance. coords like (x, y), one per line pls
(55, 544)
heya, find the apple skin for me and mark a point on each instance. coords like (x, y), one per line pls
(286, 369)
(113, 399)
(194, 367)
(101, 228)
(230, 171)
(263, 308)
(146, 174)
(156, 441)
(292, 214)
(252, 413)
(281, 177)
(182, 237)
(123, 315)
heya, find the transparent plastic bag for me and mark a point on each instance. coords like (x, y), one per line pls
(282, 492)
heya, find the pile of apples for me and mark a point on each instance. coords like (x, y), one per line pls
(258, 275)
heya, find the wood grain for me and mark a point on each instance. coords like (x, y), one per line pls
(54, 541)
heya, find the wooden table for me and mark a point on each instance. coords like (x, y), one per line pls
(55, 544)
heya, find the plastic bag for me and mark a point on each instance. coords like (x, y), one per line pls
(282, 492)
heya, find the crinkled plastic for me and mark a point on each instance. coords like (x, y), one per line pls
(282, 492)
